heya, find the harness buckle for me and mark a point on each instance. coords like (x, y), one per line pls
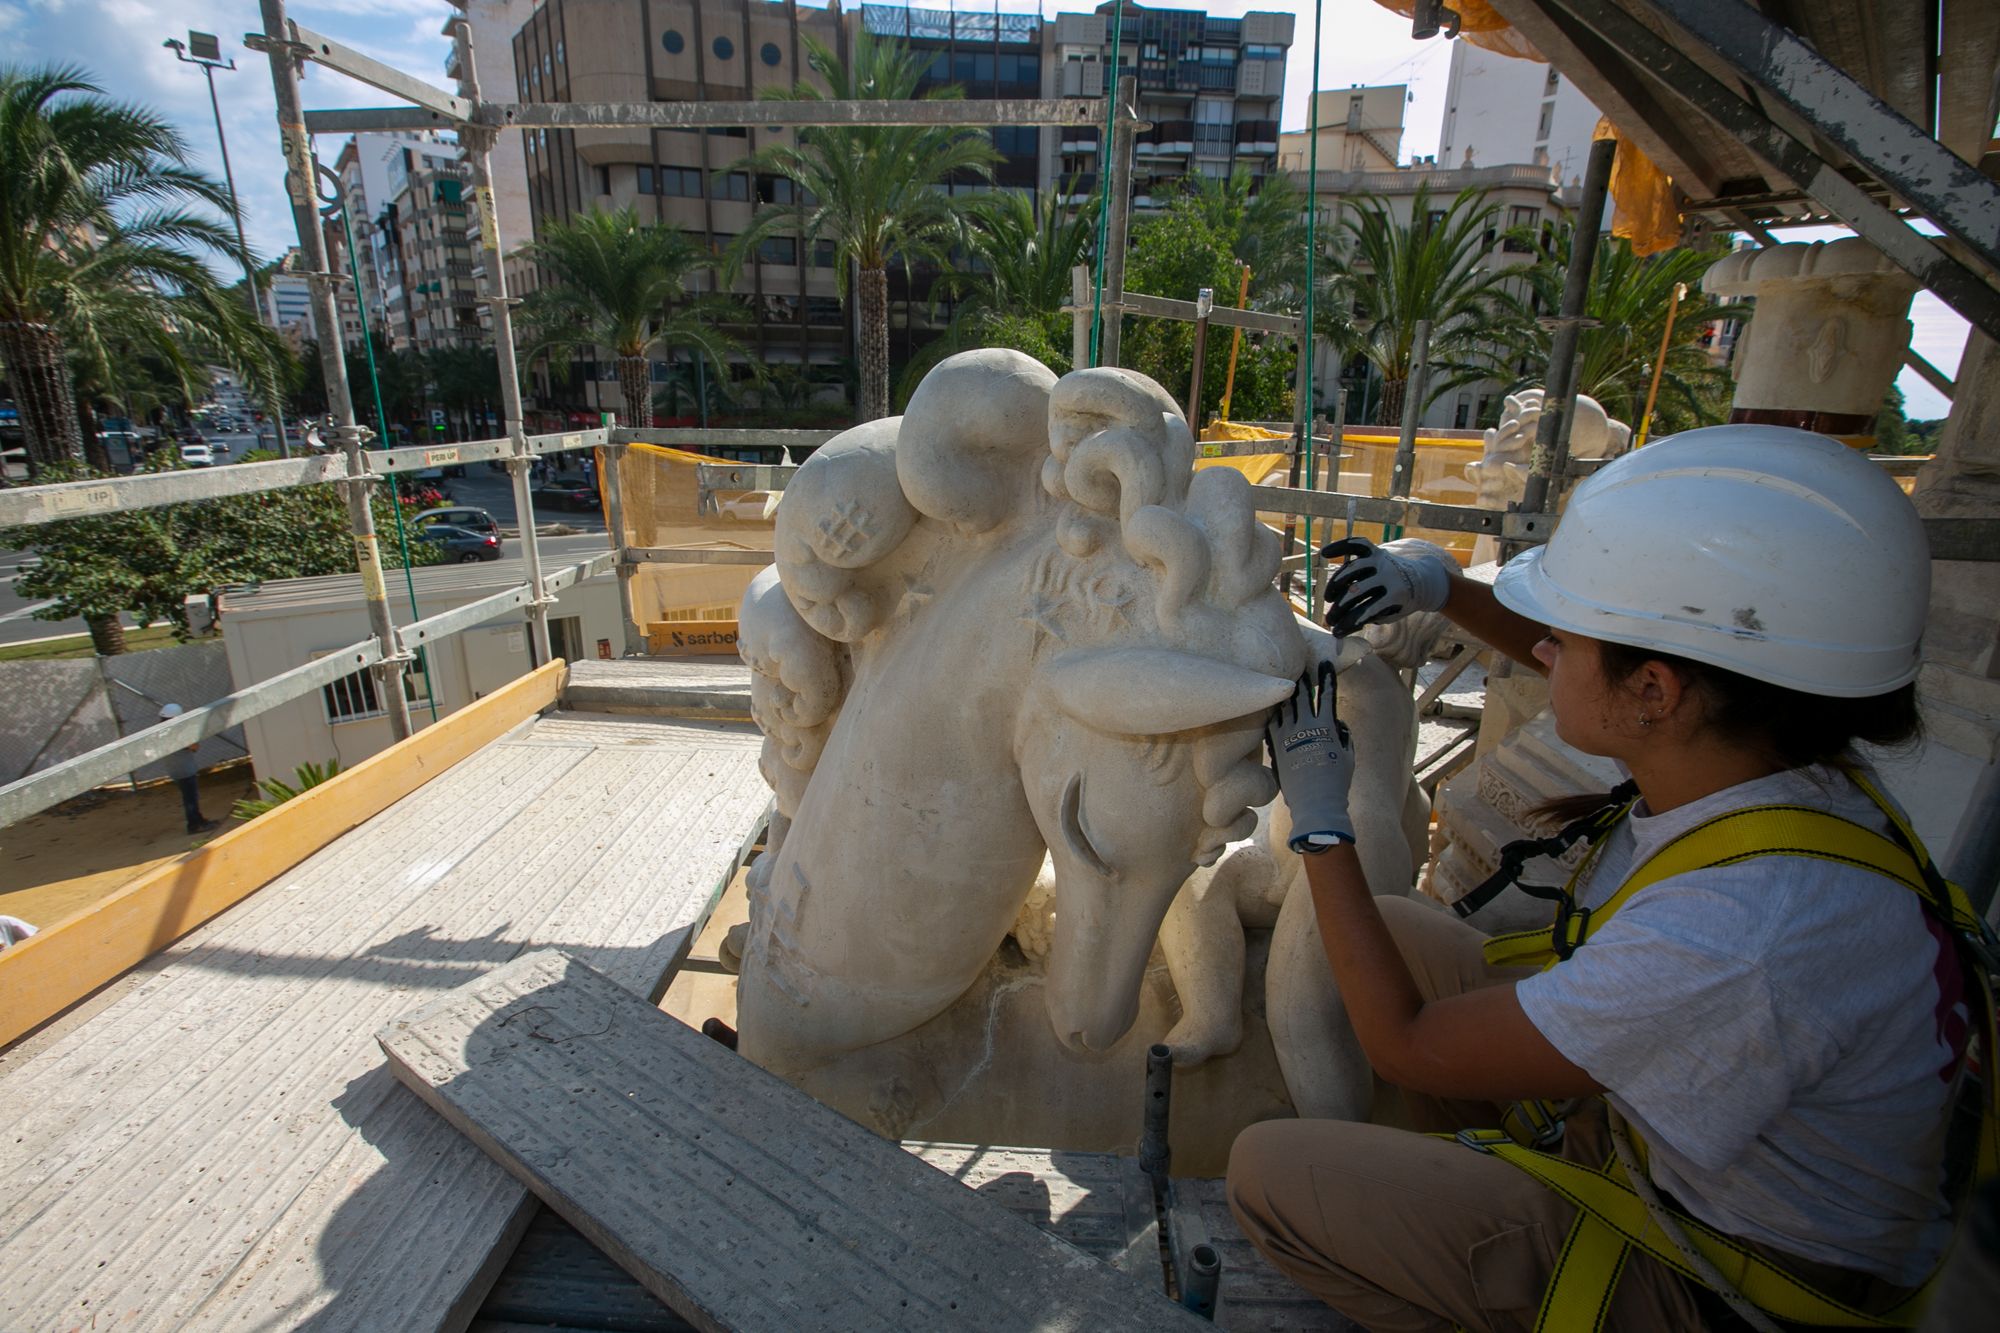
(1534, 1124)
(1572, 924)
(1482, 1140)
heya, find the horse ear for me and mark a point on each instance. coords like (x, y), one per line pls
(1155, 691)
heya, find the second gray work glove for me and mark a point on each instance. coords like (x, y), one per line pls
(1314, 761)
(1385, 582)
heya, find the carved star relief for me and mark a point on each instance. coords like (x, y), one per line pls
(1110, 598)
(1042, 613)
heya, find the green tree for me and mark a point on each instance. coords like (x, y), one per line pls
(610, 283)
(1439, 266)
(1628, 300)
(147, 562)
(1176, 254)
(102, 234)
(1012, 290)
(876, 192)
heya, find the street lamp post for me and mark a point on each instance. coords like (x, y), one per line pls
(207, 53)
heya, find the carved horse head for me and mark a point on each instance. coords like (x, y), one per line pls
(1161, 644)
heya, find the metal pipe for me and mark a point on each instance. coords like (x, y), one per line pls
(1551, 453)
(478, 147)
(1204, 302)
(1200, 1281)
(107, 763)
(611, 463)
(302, 191)
(1125, 121)
(1155, 1152)
(1235, 343)
(1660, 364)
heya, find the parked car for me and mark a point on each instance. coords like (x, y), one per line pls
(458, 516)
(753, 506)
(461, 544)
(197, 455)
(566, 493)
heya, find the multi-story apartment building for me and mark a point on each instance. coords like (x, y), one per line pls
(1361, 134)
(683, 50)
(1502, 109)
(288, 303)
(1211, 87)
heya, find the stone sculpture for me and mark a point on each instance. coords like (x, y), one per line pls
(1501, 474)
(1012, 624)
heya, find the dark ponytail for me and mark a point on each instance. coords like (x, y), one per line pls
(1789, 728)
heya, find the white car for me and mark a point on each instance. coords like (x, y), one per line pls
(751, 506)
(197, 455)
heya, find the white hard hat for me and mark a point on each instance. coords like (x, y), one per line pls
(170, 710)
(1771, 552)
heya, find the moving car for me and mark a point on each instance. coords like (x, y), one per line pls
(197, 455)
(458, 516)
(566, 493)
(461, 544)
(753, 506)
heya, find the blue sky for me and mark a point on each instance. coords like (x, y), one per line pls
(118, 43)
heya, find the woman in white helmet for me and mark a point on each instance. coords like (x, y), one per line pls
(1754, 1002)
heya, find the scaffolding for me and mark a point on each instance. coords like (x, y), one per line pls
(1098, 310)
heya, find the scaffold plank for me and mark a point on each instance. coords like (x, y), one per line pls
(220, 1146)
(735, 1198)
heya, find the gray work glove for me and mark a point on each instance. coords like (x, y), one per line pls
(1314, 761)
(1386, 582)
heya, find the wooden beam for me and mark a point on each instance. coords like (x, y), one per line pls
(735, 1198)
(42, 976)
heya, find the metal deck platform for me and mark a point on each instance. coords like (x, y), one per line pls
(214, 1141)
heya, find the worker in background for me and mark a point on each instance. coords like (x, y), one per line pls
(1741, 1038)
(182, 769)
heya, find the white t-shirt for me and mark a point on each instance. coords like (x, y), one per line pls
(1775, 1029)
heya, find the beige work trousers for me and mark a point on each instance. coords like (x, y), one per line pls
(1401, 1231)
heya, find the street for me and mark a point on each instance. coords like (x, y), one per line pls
(481, 487)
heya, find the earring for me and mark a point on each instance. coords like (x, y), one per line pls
(1645, 720)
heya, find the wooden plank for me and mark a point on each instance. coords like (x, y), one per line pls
(735, 1198)
(1099, 1202)
(70, 959)
(222, 1147)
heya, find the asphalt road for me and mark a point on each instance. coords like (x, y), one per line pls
(480, 487)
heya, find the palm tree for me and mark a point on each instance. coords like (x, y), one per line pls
(1629, 296)
(101, 237)
(876, 192)
(1268, 232)
(609, 282)
(1012, 291)
(1439, 267)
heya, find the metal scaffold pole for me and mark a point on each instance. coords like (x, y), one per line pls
(1550, 458)
(1124, 123)
(478, 145)
(301, 190)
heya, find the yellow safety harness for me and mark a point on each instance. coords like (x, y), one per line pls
(1612, 1219)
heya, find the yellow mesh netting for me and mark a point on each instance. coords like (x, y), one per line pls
(1647, 215)
(664, 507)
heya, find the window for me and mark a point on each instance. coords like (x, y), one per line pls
(734, 185)
(822, 254)
(723, 48)
(1555, 82)
(673, 41)
(778, 250)
(604, 179)
(823, 312)
(676, 182)
(1548, 120)
(770, 54)
(559, 53)
(1521, 217)
(645, 184)
(353, 697)
(776, 190)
